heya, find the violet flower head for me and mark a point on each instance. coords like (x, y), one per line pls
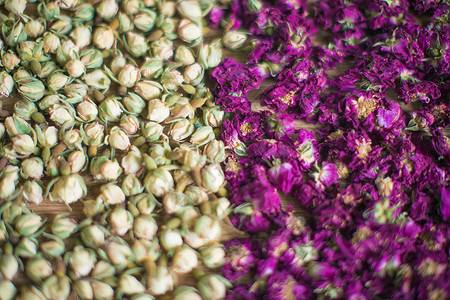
(284, 176)
(281, 285)
(240, 258)
(445, 208)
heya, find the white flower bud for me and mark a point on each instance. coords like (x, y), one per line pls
(97, 79)
(102, 290)
(111, 194)
(7, 287)
(81, 35)
(110, 110)
(51, 42)
(157, 111)
(234, 40)
(184, 260)
(118, 139)
(68, 189)
(47, 137)
(16, 7)
(9, 266)
(148, 90)
(62, 115)
(146, 250)
(103, 37)
(186, 293)
(202, 135)
(95, 134)
(213, 256)
(133, 161)
(212, 287)
(129, 285)
(163, 48)
(212, 177)
(83, 289)
(75, 68)
(6, 84)
(87, 110)
(208, 228)
(107, 9)
(129, 123)
(145, 227)
(34, 28)
(173, 202)
(193, 74)
(32, 192)
(119, 253)
(10, 60)
(93, 236)
(181, 130)
(189, 31)
(38, 268)
(32, 167)
(161, 281)
(188, 216)
(121, 221)
(152, 131)
(159, 182)
(67, 4)
(23, 144)
(170, 239)
(194, 240)
(81, 261)
(190, 9)
(129, 75)
(131, 185)
(117, 64)
(184, 56)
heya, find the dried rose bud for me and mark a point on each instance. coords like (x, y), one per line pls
(145, 20)
(32, 192)
(157, 111)
(195, 195)
(30, 88)
(118, 139)
(72, 139)
(189, 31)
(125, 23)
(194, 240)
(160, 281)
(146, 250)
(170, 239)
(129, 123)
(119, 253)
(103, 37)
(184, 55)
(184, 260)
(26, 248)
(10, 60)
(193, 74)
(188, 215)
(121, 220)
(103, 269)
(102, 290)
(130, 285)
(63, 226)
(47, 136)
(30, 293)
(215, 151)
(54, 247)
(48, 10)
(152, 131)
(148, 90)
(135, 44)
(145, 227)
(110, 110)
(75, 68)
(9, 266)
(51, 42)
(163, 48)
(68, 4)
(56, 287)
(32, 167)
(111, 194)
(212, 177)
(234, 40)
(81, 260)
(104, 168)
(93, 236)
(213, 116)
(129, 75)
(93, 59)
(186, 293)
(107, 9)
(131, 185)
(25, 109)
(83, 12)
(190, 9)
(9, 177)
(68, 189)
(159, 182)
(83, 289)
(208, 228)
(37, 269)
(210, 55)
(213, 256)
(16, 7)
(98, 80)
(181, 130)
(34, 28)
(133, 161)
(8, 289)
(81, 36)
(94, 134)
(202, 135)
(66, 51)
(57, 81)
(152, 67)
(173, 202)
(62, 115)
(77, 161)
(145, 203)
(213, 287)
(133, 104)
(6, 84)
(28, 224)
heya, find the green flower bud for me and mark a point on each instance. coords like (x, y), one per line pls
(93, 236)
(110, 110)
(202, 136)
(145, 203)
(148, 90)
(63, 226)
(152, 131)
(131, 185)
(172, 79)
(145, 227)
(130, 285)
(24, 109)
(48, 10)
(57, 81)
(81, 261)
(125, 23)
(62, 115)
(184, 55)
(119, 253)
(152, 67)
(26, 248)
(98, 80)
(10, 60)
(159, 154)
(8, 289)
(160, 281)
(38, 269)
(83, 12)
(215, 151)
(107, 9)
(67, 51)
(54, 247)
(16, 7)
(234, 40)
(163, 48)
(159, 182)
(194, 73)
(111, 194)
(13, 33)
(51, 42)
(6, 84)
(184, 260)
(32, 192)
(213, 256)
(145, 20)
(212, 177)
(56, 287)
(129, 75)
(213, 116)
(181, 130)
(92, 58)
(190, 32)
(146, 250)
(132, 7)
(133, 104)
(81, 36)
(135, 44)
(103, 269)
(47, 68)
(23, 145)
(47, 136)
(157, 111)
(31, 88)
(103, 37)
(9, 266)
(118, 139)
(186, 293)
(68, 189)
(94, 134)
(72, 138)
(210, 55)
(213, 287)
(69, 4)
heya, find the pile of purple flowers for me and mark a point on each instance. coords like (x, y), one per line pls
(370, 185)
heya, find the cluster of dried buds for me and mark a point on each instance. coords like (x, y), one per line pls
(115, 114)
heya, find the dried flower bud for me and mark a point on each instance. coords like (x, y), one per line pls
(184, 56)
(202, 135)
(68, 4)
(194, 240)
(234, 40)
(135, 44)
(84, 12)
(6, 84)
(193, 74)
(163, 48)
(30, 88)
(152, 67)
(213, 287)
(30, 293)
(208, 228)
(158, 182)
(32, 192)
(34, 28)
(32, 167)
(63, 226)
(184, 260)
(75, 68)
(97, 79)
(129, 123)
(103, 270)
(190, 9)
(93, 236)
(92, 59)
(24, 109)
(81, 260)
(47, 68)
(212, 177)
(132, 7)
(57, 81)
(121, 220)
(195, 195)
(129, 285)
(68, 189)
(145, 203)
(10, 60)
(56, 287)
(170, 239)
(160, 281)
(8, 289)
(9, 266)
(37, 269)
(173, 202)
(210, 55)
(152, 131)
(186, 293)
(62, 115)
(110, 110)
(215, 151)
(145, 20)
(188, 215)
(172, 79)
(119, 253)
(23, 144)
(111, 194)
(117, 64)
(47, 136)
(133, 161)
(157, 111)
(125, 23)
(148, 90)
(28, 224)
(66, 51)
(87, 110)
(131, 185)
(129, 75)
(181, 130)
(102, 290)
(72, 138)
(118, 139)
(51, 42)
(83, 289)
(107, 9)
(145, 227)
(94, 134)
(133, 104)
(48, 10)
(189, 31)
(16, 7)
(104, 168)
(81, 36)
(14, 34)
(213, 256)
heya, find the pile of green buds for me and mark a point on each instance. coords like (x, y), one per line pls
(110, 109)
